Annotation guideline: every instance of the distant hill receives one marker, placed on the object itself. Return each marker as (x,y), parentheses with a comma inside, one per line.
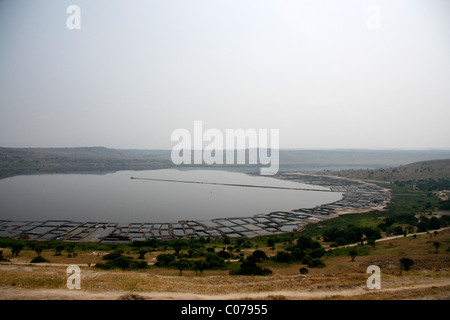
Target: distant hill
(18,161)
(75,153)
(342,159)
(423,170)
(14,161)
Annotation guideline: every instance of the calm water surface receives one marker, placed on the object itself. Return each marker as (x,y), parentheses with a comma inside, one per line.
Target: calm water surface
(114,197)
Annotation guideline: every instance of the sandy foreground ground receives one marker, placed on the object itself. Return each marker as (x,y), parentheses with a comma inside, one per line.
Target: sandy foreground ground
(341,279)
(65,294)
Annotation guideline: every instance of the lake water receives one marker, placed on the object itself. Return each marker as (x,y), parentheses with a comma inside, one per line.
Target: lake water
(114,197)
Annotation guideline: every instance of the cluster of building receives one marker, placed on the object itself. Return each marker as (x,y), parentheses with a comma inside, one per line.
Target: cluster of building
(356,196)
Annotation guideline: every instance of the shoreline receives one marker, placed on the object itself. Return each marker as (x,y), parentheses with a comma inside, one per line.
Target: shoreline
(357,197)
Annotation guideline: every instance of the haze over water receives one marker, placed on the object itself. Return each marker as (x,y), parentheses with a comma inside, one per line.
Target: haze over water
(114,197)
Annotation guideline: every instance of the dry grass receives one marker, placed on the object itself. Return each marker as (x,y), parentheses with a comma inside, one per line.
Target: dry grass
(340,279)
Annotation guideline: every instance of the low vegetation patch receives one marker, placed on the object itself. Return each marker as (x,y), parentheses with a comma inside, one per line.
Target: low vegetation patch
(118,261)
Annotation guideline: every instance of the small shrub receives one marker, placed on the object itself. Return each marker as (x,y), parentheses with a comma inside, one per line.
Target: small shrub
(250,268)
(164,260)
(316,263)
(259,255)
(306,259)
(112,255)
(38,249)
(1,256)
(142,253)
(406,263)
(16,248)
(214,262)
(284,257)
(303,270)
(224,254)
(123,263)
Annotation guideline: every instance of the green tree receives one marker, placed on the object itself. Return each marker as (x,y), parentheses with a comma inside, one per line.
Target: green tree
(316,263)
(200,265)
(259,255)
(423,225)
(214,261)
(71,250)
(177,245)
(317,252)
(224,254)
(434,223)
(142,253)
(298,254)
(249,267)
(164,259)
(306,259)
(38,249)
(271,242)
(58,249)
(182,264)
(284,257)
(16,248)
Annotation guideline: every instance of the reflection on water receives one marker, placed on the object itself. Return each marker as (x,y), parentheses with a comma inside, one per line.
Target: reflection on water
(114,197)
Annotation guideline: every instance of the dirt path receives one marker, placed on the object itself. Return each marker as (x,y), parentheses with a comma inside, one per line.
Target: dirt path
(388,238)
(65,294)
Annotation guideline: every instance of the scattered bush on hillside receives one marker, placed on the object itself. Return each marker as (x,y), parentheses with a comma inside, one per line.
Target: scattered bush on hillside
(164,260)
(406,263)
(122,263)
(351,234)
(316,263)
(259,255)
(283,257)
(112,255)
(250,268)
(303,270)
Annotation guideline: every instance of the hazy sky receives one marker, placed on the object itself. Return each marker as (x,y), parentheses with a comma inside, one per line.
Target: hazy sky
(328,74)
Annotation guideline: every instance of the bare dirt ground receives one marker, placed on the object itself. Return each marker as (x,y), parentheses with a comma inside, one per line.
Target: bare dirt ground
(356,293)
(22,282)
(342,278)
